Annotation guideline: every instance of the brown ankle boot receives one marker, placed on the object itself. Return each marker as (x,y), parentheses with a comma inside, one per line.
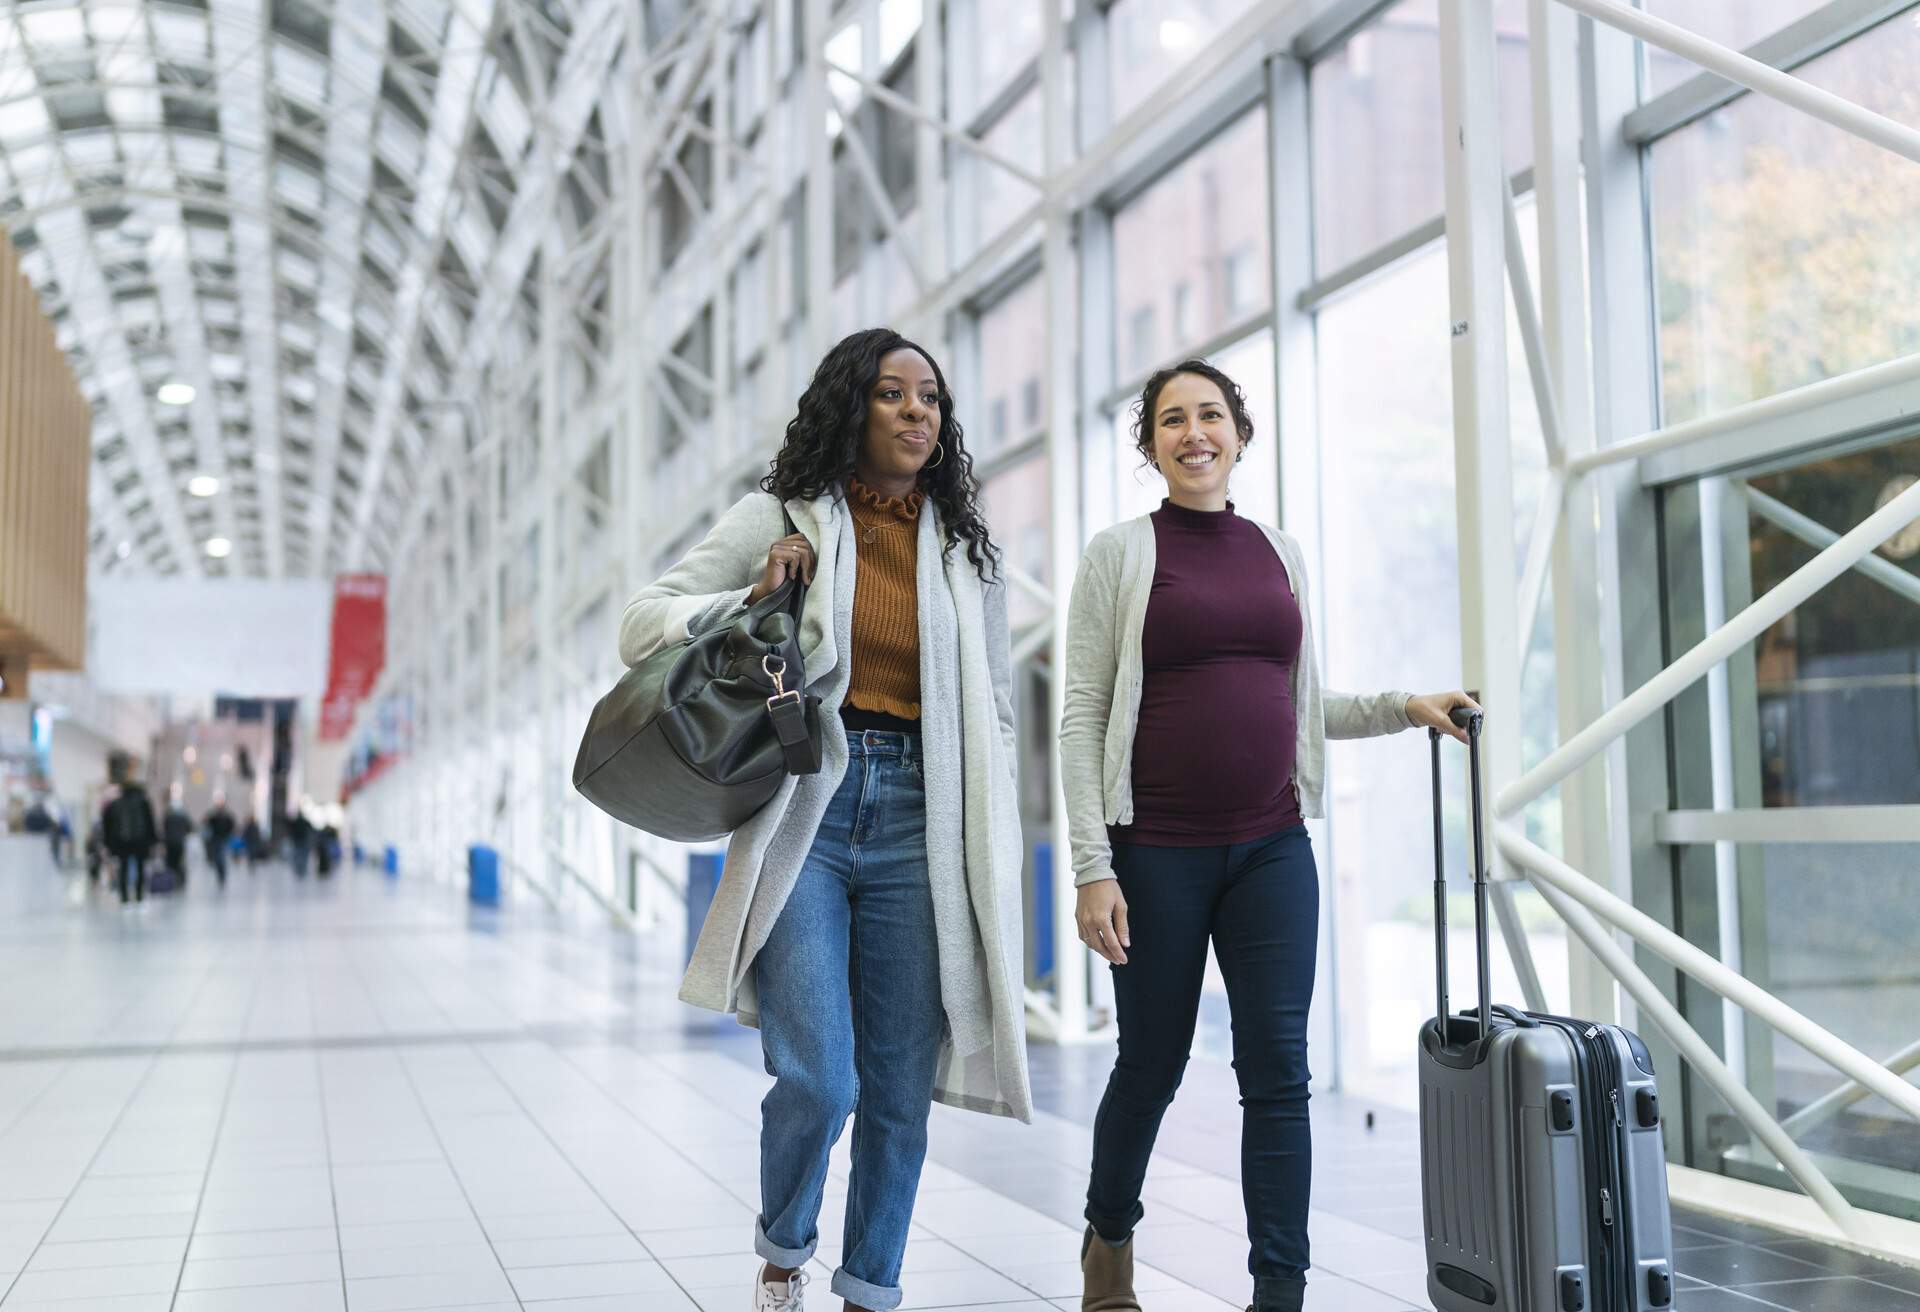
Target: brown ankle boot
(1107,1275)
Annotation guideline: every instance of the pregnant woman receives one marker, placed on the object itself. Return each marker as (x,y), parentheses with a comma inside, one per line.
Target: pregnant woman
(1192,752)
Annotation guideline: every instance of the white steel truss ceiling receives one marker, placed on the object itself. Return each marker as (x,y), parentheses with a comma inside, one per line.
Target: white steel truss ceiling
(293,207)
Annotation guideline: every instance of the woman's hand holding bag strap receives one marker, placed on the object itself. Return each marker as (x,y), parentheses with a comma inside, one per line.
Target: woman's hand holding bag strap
(701,734)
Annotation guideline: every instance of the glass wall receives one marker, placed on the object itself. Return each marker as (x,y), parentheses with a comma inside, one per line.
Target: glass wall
(1786,249)
(1376,127)
(1838,679)
(1735,23)
(1191,253)
(1824,711)
(1149,40)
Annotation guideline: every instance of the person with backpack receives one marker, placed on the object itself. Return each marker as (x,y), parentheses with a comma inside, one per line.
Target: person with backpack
(96,850)
(218,828)
(300,841)
(176,829)
(43,818)
(254,843)
(131,833)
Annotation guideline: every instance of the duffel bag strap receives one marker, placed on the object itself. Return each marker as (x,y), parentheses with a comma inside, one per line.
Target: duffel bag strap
(788,710)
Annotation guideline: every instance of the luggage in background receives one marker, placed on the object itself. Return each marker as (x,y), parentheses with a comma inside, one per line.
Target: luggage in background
(1541,1162)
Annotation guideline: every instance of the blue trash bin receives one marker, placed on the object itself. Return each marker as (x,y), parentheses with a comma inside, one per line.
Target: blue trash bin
(391,862)
(483,875)
(1042,911)
(703,881)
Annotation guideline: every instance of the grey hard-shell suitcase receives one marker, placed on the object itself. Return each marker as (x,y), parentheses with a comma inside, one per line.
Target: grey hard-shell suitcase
(1541,1163)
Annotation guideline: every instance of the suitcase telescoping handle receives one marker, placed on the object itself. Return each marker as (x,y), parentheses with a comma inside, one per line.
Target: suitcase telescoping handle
(1470,720)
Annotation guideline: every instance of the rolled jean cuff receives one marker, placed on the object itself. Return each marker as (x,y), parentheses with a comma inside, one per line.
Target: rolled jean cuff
(881,1298)
(790,1258)
(1115,1232)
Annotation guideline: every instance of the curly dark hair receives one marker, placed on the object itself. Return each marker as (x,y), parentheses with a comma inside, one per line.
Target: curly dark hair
(823,440)
(1150,398)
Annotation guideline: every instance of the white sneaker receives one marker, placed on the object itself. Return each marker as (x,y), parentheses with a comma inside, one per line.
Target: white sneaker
(787,1296)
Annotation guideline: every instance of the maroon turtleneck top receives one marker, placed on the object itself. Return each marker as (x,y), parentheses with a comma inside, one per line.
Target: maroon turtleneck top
(1213,752)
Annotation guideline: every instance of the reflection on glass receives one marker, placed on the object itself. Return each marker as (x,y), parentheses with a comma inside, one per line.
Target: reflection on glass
(1376,127)
(1388,584)
(1839,926)
(1012,353)
(1192,250)
(1838,679)
(1786,250)
(1733,23)
(999,197)
(1015,504)
(1003,39)
(1151,39)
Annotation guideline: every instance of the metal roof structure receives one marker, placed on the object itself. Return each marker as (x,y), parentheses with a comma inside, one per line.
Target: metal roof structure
(296,209)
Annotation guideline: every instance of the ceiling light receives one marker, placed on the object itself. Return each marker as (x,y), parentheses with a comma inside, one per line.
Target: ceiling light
(124,550)
(203,485)
(189,755)
(219,548)
(176,394)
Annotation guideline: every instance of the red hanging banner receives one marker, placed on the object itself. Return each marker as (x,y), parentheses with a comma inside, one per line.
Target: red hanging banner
(359,649)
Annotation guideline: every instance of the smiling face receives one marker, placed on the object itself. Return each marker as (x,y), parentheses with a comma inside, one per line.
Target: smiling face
(1195,443)
(903,423)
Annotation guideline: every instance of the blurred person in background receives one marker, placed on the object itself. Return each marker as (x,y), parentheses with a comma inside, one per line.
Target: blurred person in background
(128,828)
(218,829)
(299,840)
(175,830)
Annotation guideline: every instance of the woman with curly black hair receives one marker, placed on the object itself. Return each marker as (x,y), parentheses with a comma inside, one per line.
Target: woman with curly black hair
(869,917)
(1191,751)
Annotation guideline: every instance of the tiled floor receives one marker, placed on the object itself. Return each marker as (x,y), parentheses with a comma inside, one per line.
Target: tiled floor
(359,1096)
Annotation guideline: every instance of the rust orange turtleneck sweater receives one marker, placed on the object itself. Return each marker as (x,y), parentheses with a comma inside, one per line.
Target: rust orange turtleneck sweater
(886,616)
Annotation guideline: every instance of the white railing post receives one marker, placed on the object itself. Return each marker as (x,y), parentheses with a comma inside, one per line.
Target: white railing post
(1756,1001)
(1070,958)
(1706,1062)
(1476,191)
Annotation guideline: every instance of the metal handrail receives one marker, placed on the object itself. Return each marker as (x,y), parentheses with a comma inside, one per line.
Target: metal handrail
(1820,537)
(1829,1105)
(620,914)
(539,885)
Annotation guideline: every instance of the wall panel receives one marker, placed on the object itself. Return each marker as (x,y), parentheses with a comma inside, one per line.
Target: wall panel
(45,445)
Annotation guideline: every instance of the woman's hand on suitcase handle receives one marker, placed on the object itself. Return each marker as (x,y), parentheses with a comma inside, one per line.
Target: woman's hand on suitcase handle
(1101,915)
(1434,710)
(789,556)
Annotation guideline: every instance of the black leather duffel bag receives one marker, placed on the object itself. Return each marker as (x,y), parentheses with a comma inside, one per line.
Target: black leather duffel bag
(700,735)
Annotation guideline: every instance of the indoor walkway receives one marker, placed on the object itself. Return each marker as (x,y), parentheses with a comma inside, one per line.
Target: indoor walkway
(306,1096)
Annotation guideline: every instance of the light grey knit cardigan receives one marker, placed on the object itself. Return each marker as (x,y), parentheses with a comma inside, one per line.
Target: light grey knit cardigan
(1105,673)
(974,845)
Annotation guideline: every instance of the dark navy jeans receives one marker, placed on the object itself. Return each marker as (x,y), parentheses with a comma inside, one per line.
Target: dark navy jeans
(851,1023)
(1259,903)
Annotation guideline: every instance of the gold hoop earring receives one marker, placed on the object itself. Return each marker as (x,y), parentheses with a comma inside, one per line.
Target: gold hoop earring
(940,454)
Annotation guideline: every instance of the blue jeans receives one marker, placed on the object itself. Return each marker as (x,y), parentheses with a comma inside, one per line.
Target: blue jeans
(1259,902)
(851,1024)
(133,873)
